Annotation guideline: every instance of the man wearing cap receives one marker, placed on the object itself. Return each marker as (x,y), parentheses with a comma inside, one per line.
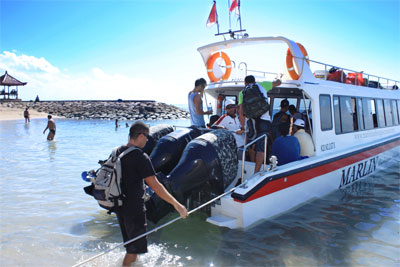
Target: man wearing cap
(230,121)
(305,140)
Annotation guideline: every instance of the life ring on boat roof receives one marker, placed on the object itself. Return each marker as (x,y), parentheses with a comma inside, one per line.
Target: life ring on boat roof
(289,62)
(210,66)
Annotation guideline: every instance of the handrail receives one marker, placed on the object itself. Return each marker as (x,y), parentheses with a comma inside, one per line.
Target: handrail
(244,153)
(308,119)
(265,72)
(245,71)
(358,72)
(154,229)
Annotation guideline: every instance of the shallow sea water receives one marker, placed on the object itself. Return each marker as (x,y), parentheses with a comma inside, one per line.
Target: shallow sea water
(47,220)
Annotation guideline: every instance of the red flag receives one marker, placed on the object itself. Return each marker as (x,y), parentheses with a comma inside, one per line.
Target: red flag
(235,7)
(212,18)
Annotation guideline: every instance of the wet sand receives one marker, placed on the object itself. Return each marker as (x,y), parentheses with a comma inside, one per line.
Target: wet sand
(7,113)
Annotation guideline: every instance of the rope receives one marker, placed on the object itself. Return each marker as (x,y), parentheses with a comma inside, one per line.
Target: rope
(154,230)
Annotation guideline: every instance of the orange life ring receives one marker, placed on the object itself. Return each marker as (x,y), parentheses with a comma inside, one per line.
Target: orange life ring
(210,66)
(289,62)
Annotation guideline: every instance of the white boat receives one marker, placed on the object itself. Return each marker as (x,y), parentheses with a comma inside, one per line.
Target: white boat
(355,129)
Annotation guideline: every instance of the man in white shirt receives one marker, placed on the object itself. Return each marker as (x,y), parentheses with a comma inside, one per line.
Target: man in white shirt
(230,121)
(305,140)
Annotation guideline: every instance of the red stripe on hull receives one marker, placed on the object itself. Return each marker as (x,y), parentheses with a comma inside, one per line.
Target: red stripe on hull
(303,176)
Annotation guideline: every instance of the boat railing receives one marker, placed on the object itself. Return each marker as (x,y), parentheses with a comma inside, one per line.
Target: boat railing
(376,81)
(244,153)
(368,80)
(243,67)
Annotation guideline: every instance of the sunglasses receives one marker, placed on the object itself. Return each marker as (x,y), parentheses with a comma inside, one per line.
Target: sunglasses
(230,106)
(146,134)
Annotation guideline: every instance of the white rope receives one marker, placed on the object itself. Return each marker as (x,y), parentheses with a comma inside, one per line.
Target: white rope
(153,230)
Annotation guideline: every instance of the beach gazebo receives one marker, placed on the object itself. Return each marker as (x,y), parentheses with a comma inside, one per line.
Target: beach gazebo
(8,81)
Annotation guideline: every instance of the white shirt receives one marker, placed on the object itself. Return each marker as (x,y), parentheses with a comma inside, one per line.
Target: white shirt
(232,124)
(306,143)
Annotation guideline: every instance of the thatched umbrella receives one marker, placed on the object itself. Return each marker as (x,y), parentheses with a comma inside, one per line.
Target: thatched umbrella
(8,80)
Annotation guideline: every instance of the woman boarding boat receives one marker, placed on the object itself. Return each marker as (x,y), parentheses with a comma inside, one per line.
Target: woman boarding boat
(354,128)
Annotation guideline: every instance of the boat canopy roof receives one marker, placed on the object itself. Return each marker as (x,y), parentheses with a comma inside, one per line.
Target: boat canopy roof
(299,59)
(301,64)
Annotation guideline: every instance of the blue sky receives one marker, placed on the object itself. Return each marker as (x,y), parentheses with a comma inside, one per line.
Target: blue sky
(148,49)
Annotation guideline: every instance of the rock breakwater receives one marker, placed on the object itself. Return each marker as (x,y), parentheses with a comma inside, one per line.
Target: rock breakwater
(106,110)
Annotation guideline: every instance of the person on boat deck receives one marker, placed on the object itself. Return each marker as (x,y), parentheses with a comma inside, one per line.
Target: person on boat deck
(305,140)
(51,125)
(196,104)
(294,113)
(137,169)
(280,118)
(230,121)
(213,119)
(286,147)
(263,123)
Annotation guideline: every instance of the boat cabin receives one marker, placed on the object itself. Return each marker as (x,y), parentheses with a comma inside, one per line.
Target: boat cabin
(339,112)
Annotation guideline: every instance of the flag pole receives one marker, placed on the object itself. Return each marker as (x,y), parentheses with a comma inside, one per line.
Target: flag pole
(216,16)
(229,5)
(240,16)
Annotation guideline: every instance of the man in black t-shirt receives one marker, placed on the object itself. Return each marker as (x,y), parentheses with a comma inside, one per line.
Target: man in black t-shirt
(137,169)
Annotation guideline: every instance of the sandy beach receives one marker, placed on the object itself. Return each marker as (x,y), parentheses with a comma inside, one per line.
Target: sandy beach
(7,113)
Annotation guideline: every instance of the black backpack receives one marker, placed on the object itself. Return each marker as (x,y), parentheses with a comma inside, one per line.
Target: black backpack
(254,102)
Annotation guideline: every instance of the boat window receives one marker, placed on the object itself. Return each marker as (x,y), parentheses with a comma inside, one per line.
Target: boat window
(302,108)
(368,112)
(360,114)
(388,112)
(398,109)
(395,113)
(277,104)
(374,116)
(326,112)
(380,113)
(336,113)
(348,114)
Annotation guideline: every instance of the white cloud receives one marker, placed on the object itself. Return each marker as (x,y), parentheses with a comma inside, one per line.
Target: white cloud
(27,63)
(50,83)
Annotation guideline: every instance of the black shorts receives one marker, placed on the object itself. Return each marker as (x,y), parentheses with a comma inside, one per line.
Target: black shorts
(263,127)
(131,227)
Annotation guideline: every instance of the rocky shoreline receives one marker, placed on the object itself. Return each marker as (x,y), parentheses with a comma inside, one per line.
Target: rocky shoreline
(105,110)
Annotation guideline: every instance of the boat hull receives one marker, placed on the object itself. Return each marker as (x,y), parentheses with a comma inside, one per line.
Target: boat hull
(267,195)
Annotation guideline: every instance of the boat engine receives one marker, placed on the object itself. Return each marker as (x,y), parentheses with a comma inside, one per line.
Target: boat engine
(168,150)
(208,165)
(156,132)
